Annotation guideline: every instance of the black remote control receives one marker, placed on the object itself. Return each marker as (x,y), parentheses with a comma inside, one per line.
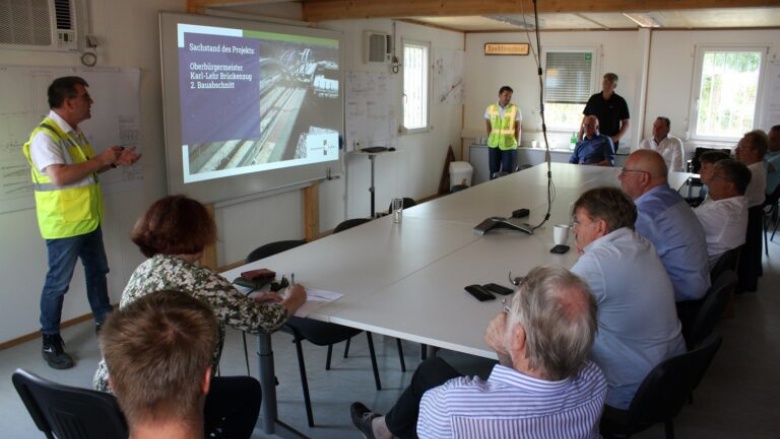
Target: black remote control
(520,213)
(499,289)
(480,293)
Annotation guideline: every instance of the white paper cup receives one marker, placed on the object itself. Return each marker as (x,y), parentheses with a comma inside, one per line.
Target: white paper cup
(561,234)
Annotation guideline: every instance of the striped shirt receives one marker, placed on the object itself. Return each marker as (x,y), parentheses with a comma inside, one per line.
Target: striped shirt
(513,405)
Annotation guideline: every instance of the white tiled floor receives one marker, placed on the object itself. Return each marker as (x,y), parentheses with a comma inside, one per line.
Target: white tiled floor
(737,398)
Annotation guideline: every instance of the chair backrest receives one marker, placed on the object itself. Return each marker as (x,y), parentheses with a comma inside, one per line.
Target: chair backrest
(667,387)
(68,412)
(695,164)
(408,202)
(726,261)
(712,308)
(771,199)
(350,223)
(273,248)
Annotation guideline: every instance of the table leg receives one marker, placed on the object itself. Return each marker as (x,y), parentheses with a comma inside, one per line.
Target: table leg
(371,188)
(270,421)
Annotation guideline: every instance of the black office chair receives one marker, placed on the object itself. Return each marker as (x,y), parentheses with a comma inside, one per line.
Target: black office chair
(694,165)
(771,216)
(711,309)
(316,332)
(261,252)
(662,393)
(65,412)
(726,261)
(408,202)
(350,223)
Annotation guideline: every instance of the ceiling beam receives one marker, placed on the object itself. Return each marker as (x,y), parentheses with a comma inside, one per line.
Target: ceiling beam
(199,6)
(323,10)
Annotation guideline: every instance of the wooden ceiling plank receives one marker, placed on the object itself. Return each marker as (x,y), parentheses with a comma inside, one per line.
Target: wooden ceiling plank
(322,10)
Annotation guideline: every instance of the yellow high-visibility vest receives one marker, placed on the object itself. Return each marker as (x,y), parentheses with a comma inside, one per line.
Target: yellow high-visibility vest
(502,133)
(64,212)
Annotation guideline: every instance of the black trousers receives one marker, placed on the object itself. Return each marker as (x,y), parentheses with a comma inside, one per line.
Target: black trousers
(232,407)
(750,267)
(401,420)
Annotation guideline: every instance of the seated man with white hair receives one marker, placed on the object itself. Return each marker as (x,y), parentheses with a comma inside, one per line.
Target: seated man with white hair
(544,385)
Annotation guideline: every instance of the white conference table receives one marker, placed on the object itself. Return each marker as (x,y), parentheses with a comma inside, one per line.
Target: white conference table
(406,280)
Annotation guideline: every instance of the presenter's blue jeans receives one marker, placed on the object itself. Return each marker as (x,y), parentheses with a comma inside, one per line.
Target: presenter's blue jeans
(502,161)
(63,254)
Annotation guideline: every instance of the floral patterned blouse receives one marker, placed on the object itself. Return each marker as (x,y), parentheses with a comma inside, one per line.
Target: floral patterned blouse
(167,272)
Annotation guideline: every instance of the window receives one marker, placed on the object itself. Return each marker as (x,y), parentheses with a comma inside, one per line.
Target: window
(568,81)
(724,106)
(416,86)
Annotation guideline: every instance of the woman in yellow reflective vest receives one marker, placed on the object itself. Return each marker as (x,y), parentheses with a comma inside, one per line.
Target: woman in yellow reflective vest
(502,121)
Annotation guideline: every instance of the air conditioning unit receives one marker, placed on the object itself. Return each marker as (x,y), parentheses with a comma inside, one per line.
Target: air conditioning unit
(39,25)
(377,47)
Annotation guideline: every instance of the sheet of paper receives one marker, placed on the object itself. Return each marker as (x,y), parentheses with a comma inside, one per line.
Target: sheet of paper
(315,298)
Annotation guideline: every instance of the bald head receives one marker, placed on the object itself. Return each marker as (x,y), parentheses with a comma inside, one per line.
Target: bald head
(590,125)
(644,170)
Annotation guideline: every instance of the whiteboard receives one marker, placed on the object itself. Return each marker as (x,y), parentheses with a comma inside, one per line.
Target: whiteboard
(116,120)
(370,117)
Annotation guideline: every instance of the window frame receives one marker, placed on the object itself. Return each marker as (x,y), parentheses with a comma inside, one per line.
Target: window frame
(595,81)
(693,113)
(427,83)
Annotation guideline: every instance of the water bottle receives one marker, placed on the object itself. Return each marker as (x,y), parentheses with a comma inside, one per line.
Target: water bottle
(573,141)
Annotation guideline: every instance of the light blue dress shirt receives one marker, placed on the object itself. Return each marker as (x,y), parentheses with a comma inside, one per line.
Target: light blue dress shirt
(670,224)
(637,319)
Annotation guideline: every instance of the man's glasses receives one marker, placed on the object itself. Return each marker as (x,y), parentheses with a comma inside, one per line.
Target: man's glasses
(516,281)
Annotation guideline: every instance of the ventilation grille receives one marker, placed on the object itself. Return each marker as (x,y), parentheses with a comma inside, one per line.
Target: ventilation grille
(377,47)
(38,24)
(64,14)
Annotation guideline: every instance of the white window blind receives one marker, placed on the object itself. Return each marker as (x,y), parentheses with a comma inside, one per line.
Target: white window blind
(568,77)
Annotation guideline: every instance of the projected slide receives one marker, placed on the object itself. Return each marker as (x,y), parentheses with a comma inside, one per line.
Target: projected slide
(253,101)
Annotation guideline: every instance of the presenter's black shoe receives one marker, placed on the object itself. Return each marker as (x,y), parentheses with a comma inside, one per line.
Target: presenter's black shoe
(54,354)
(362,418)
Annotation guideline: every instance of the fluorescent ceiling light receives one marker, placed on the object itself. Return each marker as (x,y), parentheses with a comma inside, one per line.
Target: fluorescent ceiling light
(643,20)
(517,20)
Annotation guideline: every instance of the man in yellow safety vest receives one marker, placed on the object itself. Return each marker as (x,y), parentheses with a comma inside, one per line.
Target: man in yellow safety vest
(502,121)
(69,206)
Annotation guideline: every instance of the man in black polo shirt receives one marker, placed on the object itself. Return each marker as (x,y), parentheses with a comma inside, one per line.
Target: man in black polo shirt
(610,108)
